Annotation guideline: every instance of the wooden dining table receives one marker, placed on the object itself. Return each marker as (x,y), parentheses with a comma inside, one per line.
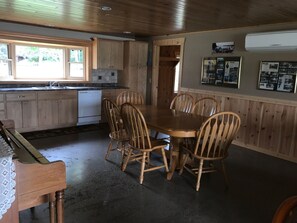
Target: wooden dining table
(178,125)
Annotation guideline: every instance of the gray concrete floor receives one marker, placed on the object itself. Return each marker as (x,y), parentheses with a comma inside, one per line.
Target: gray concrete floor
(98,191)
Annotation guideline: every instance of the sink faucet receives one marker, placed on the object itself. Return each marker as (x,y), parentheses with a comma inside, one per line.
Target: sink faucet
(54,83)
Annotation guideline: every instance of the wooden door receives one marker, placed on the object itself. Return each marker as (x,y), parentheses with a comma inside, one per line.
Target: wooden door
(169,58)
(176,43)
(166,83)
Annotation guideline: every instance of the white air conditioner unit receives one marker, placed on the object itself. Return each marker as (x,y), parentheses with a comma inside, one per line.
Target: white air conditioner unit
(271,41)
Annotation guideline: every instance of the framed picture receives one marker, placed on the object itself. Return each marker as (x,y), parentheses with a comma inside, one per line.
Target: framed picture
(278,76)
(223,47)
(221,71)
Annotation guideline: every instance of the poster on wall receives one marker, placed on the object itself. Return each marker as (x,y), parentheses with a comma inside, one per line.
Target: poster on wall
(278,76)
(221,71)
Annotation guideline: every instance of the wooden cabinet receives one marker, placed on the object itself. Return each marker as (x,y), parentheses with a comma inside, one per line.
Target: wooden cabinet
(22,108)
(134,75)
(2,107)
(108,54)
(57,108)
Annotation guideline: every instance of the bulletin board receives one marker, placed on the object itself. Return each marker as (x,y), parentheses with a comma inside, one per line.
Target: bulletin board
(221,71)
(278,76)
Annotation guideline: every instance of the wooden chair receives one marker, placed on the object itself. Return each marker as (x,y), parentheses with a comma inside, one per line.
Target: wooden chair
(132,97)
(117,133)
(287,211)
(182,102)
(206,107)
(212,142)
(140,144)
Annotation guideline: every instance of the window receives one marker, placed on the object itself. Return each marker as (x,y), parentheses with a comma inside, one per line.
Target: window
(76,63)
(38,62)
(5,65)
(29,60)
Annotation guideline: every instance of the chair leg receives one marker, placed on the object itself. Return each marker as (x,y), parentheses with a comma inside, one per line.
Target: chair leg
(165,160)
(225,173)
(199,175)
(142,167)
(126,160)
(183,164)
(108,150)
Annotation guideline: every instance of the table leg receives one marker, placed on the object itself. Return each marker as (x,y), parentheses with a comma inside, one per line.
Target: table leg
(174,156)
(60,206)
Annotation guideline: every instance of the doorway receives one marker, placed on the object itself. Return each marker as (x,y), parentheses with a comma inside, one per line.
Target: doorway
(167,70)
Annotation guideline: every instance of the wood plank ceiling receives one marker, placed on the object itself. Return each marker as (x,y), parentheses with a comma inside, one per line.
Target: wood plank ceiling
(147,17)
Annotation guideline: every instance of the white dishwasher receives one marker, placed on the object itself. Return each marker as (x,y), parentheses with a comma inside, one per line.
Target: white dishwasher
(89,106)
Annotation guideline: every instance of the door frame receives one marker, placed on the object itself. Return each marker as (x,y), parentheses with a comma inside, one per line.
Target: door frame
(156,54)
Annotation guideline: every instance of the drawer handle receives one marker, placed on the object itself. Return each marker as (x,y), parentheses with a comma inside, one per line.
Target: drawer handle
(21,96)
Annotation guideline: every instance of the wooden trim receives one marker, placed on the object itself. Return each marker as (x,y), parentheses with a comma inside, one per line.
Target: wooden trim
(241,96)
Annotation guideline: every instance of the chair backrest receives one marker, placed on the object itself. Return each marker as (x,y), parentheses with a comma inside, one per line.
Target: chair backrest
(135,126)
(112,113)
(206,107)
(132,97)
(216,134)
(182,102)
(287,211)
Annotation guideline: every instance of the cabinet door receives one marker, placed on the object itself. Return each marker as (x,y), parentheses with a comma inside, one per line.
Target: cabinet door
(108,54)
(103,54)
(48,113)
(14,112)
(67,111)
(29,114)
(24,113)
(117,55)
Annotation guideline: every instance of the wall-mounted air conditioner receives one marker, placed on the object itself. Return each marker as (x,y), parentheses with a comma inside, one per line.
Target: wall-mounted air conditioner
(271,41)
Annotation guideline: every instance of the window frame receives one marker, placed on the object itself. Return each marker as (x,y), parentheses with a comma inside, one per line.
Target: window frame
(66,44)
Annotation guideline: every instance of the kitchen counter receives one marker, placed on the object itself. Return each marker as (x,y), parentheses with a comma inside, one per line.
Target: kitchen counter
(56,88)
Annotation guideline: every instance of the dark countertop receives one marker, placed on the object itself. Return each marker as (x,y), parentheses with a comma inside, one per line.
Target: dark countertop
(32,87)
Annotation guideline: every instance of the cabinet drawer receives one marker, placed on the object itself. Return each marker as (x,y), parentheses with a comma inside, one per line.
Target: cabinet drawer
(1,97)
(1,106)
(21,96)
(56,95)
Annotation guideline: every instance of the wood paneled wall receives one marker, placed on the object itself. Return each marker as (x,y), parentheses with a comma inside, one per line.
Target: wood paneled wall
(268,126)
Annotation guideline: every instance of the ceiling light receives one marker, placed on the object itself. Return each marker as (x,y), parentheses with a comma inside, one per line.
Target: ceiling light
(127,32)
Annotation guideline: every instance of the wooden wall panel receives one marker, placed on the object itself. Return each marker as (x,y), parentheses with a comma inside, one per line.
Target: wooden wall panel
(287,130)
(240,107)
(268,126)
(253,123)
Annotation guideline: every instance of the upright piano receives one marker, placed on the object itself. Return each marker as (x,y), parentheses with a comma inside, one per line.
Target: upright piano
(37,180)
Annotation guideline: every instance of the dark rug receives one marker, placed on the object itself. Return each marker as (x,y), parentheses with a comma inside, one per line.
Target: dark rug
(63,131)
